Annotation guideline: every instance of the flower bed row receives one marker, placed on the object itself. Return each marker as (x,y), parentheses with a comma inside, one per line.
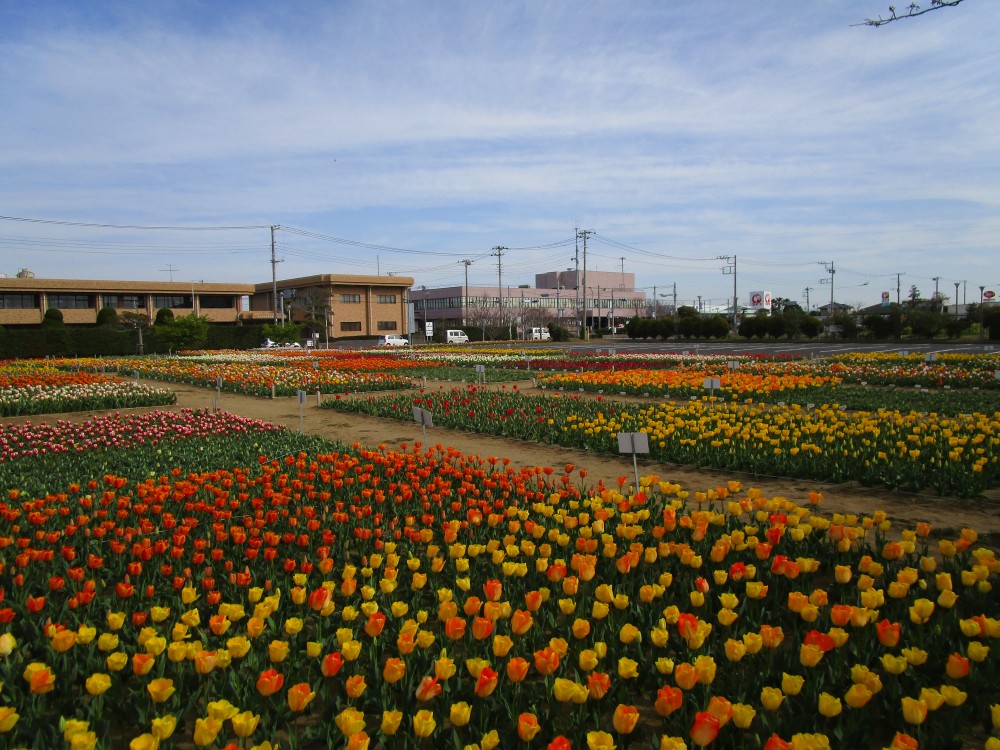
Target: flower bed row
(686,383)
(250,378)
(37,388)
(956,455)
(396,599)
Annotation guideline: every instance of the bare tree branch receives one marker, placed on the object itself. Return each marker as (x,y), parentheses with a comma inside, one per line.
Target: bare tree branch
(912,11)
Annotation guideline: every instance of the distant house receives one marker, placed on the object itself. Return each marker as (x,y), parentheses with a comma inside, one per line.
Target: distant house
(825,311)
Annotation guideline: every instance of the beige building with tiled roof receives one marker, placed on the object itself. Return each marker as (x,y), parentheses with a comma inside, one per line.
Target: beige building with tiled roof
(350,305)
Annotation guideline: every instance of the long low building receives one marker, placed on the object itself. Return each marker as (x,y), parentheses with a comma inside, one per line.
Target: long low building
(347,305)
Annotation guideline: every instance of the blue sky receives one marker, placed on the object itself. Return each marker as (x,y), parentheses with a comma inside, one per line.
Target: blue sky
(428,133)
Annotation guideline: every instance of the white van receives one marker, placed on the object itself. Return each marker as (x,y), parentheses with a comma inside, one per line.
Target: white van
(453,336)
(539,334)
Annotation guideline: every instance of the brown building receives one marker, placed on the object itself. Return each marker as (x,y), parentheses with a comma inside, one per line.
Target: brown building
(350,305)
(346,305)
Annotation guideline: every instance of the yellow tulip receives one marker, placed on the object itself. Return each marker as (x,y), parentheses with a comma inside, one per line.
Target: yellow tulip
(245,723)
(829,705)
(424,723)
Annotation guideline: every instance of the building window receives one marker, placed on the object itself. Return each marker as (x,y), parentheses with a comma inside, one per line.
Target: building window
(124,301)
(350,298)
(386,299)
(70,301)
(216,301)
(387,325)
(18,301)
(171,300)
(349,325)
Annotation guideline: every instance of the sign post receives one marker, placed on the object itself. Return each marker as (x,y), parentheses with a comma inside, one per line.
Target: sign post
(424,419)
(302,402)
(633,442)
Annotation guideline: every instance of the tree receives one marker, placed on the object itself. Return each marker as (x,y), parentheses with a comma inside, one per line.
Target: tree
(846,324)
(925,324)
(164,316)
(912,11)
(688,327)
(107,316)
(53,318)
(811,326)
(283,333)
(185,332)
(716,327)
(138,322)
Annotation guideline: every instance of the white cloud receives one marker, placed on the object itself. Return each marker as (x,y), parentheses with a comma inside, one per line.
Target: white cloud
(709,128)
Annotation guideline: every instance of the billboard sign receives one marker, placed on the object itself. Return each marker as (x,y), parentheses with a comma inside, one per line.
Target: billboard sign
(885,299)
(760,300)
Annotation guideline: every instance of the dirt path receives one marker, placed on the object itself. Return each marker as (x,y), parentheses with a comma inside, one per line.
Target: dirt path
(947,515)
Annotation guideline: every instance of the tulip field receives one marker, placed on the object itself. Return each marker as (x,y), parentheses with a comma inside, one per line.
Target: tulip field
(42,389)
(179,579)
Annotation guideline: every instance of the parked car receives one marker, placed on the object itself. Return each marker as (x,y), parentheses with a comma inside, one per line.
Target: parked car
(539,334)
(392,339)
(456,336)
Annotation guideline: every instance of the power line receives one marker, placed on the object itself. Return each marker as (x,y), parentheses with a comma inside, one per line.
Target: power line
(129,226)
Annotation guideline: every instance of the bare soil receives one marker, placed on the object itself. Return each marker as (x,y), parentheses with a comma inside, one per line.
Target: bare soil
(947,515)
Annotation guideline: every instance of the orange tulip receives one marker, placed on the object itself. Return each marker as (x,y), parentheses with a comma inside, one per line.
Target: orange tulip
(428,688)
(598,684)
(355,685)
(394,670)
(40,678)
(493,589)
(721,709)
(957,666)
(486,682)
(527,727)
(705,728)
(142,663)
(269,682)
(625,719)
(300,696)
(521,622)
(482,628)
(375,623)
(331,664)
(888,633)
(454,628)
(517,669)
(546,661)
(668,700)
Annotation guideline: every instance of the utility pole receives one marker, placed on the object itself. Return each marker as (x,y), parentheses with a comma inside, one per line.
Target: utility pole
(830,270)
(897,288)
(274,276)
(956,298)
(465,291)
(622,259)
(936,279)
(498,251)
(674,312)
(808,307)
(585,233)
(730,267)
(656,305)
(170,269)
(576,261)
